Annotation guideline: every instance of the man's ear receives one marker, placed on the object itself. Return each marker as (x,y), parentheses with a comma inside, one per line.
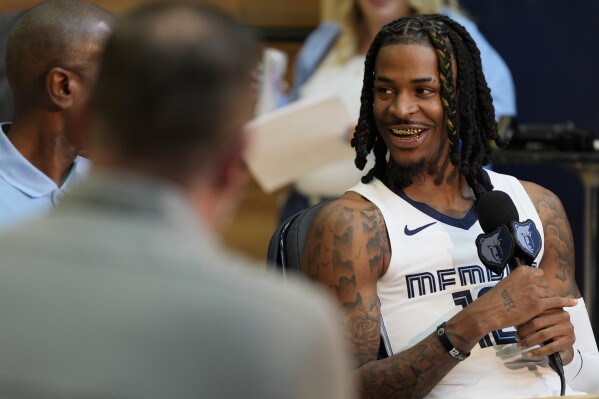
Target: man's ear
(228,183)
(60,85)
(231,169)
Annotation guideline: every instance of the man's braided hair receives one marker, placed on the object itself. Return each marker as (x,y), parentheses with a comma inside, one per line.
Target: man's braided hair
(468,106)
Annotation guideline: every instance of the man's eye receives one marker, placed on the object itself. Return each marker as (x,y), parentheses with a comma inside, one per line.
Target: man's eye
(424,90)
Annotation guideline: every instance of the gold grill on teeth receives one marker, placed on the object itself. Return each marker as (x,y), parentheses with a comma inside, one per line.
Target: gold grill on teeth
(407,132)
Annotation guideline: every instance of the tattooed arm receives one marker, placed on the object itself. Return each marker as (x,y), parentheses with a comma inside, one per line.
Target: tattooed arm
(558,257)
(558,264)
(348,250)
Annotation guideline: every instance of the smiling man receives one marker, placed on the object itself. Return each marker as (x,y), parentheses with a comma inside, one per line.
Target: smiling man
(398,250)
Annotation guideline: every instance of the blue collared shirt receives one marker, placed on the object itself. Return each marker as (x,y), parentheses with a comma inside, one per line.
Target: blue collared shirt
(26,192)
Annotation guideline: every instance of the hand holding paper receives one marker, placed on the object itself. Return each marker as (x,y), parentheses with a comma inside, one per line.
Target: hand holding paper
(291,141)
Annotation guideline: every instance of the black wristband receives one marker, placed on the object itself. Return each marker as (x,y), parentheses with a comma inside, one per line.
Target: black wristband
(453,351)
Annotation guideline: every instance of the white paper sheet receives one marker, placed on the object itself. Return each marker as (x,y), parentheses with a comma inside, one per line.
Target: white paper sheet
(291,141)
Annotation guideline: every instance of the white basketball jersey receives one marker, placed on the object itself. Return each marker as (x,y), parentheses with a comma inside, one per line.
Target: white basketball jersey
(434,272)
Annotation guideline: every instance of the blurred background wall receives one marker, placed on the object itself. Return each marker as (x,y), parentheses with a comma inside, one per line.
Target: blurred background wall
(549,47)
(259,12)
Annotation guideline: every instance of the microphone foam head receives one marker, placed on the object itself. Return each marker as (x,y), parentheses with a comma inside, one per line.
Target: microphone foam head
(496,208)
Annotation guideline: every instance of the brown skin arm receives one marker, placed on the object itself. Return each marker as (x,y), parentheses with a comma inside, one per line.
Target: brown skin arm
(347,235)
(558,257)
(558,264)
(348,250)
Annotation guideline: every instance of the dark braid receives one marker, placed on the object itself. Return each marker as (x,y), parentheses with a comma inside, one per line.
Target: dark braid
(469,112)
(448,97)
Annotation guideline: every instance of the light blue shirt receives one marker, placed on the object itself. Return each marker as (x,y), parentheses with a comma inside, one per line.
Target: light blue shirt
(497,74)
(26,192)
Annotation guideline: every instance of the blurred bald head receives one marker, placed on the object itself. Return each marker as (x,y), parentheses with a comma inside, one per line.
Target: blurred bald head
(174,89)
(64,34)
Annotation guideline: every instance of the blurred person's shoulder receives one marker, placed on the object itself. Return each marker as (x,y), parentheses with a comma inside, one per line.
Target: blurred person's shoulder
(275,338)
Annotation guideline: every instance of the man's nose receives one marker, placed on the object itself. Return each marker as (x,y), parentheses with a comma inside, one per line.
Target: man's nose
(404,105)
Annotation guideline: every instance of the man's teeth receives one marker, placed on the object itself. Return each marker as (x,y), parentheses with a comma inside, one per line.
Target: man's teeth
(407,132)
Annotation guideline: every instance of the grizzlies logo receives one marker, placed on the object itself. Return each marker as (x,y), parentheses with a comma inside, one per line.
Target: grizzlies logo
(495,249)
(527,238)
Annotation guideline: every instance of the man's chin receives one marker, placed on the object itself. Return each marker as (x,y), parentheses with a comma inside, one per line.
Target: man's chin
(403,174)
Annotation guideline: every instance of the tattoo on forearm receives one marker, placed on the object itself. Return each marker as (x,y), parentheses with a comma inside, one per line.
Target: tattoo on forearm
(397,373)
(507,300)
(415,374)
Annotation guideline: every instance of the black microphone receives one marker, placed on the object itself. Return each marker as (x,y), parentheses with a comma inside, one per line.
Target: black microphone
(506,241)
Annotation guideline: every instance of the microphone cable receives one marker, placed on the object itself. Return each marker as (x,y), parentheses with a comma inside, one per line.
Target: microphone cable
(556,363)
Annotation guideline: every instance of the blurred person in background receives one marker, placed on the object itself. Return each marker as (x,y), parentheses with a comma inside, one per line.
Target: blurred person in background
(332,61)
(51,64)
(124,291)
